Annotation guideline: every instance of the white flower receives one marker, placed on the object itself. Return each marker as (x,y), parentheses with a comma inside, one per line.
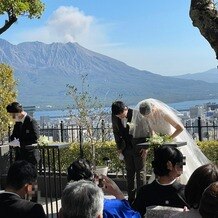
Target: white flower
(158,139)
(43,140)
(131,126)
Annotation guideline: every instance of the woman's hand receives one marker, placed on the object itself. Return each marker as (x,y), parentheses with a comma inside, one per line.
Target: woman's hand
(110,187)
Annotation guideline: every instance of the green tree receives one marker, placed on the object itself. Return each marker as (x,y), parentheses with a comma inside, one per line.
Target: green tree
(89,111)
(7,95)
(15,8)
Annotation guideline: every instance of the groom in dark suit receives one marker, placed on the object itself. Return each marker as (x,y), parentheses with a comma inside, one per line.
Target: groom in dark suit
(21,179)
(134,156)
(25,133)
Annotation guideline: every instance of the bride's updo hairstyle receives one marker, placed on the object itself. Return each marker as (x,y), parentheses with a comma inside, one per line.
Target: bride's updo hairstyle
(162,155)
(145,108)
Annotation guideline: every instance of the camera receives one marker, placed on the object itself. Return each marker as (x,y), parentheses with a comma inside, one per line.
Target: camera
(99,181)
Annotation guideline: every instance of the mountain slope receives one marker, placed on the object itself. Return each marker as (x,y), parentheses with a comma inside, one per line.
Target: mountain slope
(210,76)
(43,70)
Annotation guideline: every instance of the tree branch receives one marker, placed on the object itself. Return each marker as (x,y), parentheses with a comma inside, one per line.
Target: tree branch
(11,19)
(204,15)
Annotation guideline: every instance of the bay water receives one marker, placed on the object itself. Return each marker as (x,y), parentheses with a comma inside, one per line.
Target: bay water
(180,106)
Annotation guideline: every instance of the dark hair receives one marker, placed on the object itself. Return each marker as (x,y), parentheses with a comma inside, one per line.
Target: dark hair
(14,107)
(21,173)
(200,179)
(209,202)
(145,108)
(118,107)
(80,169)
(162,155)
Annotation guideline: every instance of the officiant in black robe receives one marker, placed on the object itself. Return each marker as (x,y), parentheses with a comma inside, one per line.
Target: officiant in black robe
(25,134)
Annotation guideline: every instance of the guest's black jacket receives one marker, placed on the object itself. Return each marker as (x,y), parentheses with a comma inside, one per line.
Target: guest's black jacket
(27,132)
(155,194)
(12,206)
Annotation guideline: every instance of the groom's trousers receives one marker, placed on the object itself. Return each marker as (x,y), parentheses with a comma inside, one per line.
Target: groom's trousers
(135,169)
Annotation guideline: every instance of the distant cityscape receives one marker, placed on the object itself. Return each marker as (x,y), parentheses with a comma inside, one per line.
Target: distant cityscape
(207,112)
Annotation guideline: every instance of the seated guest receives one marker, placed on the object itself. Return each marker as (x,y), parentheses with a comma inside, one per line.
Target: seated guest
(119,207)
(165,190)
(200,179)
(20,182)
(209,202)
(82,199)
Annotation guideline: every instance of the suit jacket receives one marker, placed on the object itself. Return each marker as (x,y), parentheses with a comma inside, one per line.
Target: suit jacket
(121,134)
(27,132)
(13,206)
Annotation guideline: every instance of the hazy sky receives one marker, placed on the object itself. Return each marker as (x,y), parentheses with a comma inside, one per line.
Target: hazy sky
(153,35)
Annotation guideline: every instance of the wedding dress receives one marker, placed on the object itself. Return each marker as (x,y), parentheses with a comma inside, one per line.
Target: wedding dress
(156,122)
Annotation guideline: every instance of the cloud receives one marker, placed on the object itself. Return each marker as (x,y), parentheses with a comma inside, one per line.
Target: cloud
(69,24)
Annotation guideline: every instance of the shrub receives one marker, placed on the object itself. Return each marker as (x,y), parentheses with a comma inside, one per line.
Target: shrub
(102,149)
(108,149)
(210,149)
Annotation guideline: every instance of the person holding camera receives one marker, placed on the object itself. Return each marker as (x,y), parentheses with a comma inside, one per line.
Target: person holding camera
(119,207)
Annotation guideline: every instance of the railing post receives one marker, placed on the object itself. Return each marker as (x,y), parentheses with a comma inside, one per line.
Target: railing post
(81,141)
(9,132)
(214,131)
(62,131)
(199,129)
(207,134)
(10,148)
(102,130)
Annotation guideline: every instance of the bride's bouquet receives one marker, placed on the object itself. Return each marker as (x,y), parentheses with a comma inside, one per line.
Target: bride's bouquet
(158,139)
(43,141)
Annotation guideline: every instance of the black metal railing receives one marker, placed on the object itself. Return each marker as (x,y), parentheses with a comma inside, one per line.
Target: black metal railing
(51,179)
(203,130)
(73,133)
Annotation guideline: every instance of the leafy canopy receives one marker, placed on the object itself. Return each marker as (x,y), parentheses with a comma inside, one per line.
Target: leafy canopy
(7,95)
(15,8)
(31,8)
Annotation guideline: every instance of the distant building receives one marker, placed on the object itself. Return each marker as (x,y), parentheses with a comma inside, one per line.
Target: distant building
(215,114)
(196,111)
(44,120)
(211,106)
(209,112)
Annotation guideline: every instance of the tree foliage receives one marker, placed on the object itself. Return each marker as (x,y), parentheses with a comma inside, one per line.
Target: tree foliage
(204,15)
(7,95)
(89,110)
(15,8)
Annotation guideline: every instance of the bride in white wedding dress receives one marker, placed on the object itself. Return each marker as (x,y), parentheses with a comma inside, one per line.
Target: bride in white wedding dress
(162,119)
